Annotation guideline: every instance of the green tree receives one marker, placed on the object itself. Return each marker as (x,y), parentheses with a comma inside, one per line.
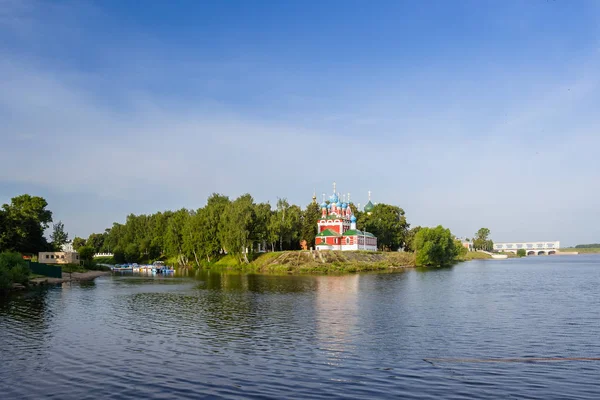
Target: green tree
(482,241)
(58,236)
(132,253)
(86,254)
(13,269)
(388,223)
(96,240)
(460,250)
(409,244)
(78,243)
(118,255)
(237,223)
(214,209)
(174,236)
(435,246)
(286,222)
(310,217)
(263,213)
(24,221)
(521,253)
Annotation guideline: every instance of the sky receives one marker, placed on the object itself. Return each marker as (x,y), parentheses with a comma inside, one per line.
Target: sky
(468,114)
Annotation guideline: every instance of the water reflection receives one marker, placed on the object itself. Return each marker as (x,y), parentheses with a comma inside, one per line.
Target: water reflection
(220,334)
(336,312)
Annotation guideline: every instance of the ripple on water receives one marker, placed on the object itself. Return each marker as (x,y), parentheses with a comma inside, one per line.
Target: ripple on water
(356,336)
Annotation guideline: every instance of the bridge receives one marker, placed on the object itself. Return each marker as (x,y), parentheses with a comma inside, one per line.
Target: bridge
(531,248)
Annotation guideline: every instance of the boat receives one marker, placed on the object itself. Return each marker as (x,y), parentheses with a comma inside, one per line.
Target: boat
(122,267)
(160,268)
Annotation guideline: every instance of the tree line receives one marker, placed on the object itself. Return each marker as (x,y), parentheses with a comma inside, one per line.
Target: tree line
(239,227)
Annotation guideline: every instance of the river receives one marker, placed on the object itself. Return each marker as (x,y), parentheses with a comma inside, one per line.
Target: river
(420,334)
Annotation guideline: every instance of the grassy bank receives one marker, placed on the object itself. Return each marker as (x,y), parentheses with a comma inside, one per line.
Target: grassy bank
(104,260)
(591,250)
(475,255)
(292,262)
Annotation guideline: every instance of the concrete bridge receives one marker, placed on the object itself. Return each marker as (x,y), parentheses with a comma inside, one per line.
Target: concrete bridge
(531,248)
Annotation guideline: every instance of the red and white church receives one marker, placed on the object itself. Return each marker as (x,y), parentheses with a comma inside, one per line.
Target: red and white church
(337,227)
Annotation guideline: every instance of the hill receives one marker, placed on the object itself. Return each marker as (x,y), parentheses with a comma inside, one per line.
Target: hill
(328,261)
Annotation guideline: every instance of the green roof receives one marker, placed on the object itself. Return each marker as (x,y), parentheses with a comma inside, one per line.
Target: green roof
(328,232)
(369,206)
(353,232)
(332,217)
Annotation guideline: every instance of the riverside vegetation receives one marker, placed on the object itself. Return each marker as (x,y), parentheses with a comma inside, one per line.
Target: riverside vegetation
(229,233)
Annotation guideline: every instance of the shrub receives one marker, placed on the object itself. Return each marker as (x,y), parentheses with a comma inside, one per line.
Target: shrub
(13,269)
(521,253)
(435,247)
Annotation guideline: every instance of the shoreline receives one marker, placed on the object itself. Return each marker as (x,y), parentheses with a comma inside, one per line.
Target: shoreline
(315,262)
(66,277)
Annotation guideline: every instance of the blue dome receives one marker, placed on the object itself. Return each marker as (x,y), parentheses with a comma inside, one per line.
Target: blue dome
(344,205)
(334,198)
(353,219)
(328,205)
(338,205)
(323,205)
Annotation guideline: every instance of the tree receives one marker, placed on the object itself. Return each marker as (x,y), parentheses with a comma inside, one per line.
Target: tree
(460,251)
(388,223)
(13,269)
(59,236)
(78,243)
(435,246)
(521,253)
(481,241)
(174,236)
(286,223)
(96,240)
(215,206)
(237,223)
(24,221)
(86,254)
(310,217)
(409,244)
(263,213)
(132,253)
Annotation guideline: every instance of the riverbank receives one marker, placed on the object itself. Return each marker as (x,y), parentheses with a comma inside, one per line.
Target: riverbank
(585,250)
(66,277)
(299,262)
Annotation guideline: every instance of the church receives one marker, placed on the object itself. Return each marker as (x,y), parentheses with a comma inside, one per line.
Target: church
(337,226)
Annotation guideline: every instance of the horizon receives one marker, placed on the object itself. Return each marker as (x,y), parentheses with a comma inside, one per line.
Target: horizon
(466,114)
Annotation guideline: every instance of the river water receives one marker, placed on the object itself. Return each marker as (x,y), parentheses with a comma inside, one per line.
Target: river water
(415,334)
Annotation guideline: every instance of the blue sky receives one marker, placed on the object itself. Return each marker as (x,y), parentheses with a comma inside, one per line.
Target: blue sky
(465,113)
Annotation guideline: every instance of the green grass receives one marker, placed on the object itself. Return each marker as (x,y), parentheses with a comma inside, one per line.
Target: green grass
(72,268)
(305,262)
(591,250)
(475,255)
(104,260)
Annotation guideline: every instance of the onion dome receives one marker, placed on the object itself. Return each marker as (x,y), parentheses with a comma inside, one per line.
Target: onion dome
(334,198)
(323,205)
(353,219)
(344,205)
(369,207)
(338,205)
(329,206)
